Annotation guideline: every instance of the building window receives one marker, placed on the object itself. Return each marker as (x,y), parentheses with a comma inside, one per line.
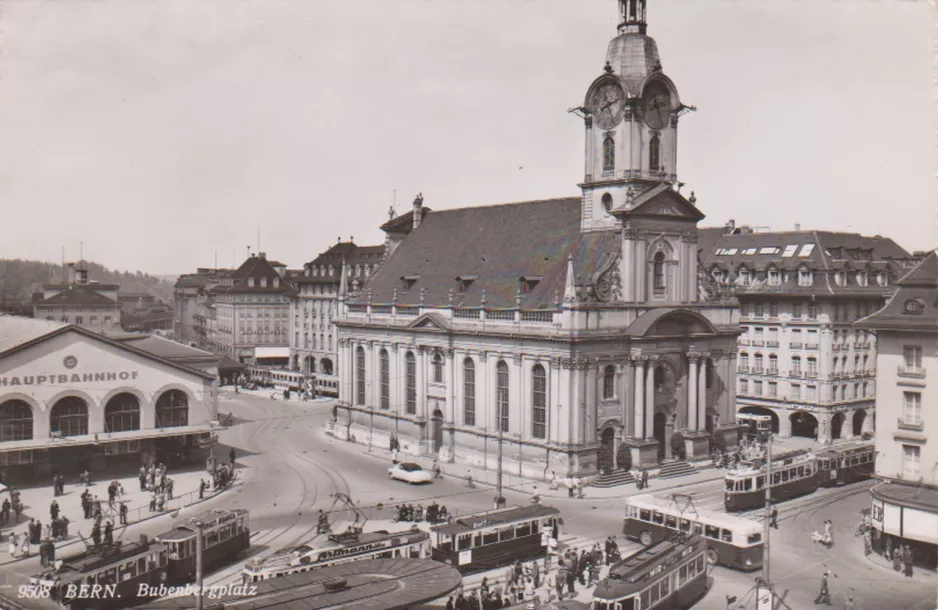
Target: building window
(609,382)
(812,338)
(744,362)
(469,392)
(411,383)
(760,309)
(912,408)
(804,277)
(385,363)
(607,202)
(122,413)
(812,393)
(539,402)
(437,367)
(79,320)
(501,396)
(911,462)
(773,389)
(16,421)
(812,311)
(744,309)
(912,354)
(773,364)
(743,277)
(757,388)
(172,409)
(757,367)
(744,387)
(654,154)
(796,391)
(796,311)
(773,309)
(812,367)
(774,277)
(609,155)
(658,280)
(69,417)
(360,375)
(796,365)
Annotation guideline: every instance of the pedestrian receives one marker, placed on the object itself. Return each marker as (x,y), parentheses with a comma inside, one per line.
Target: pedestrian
(63,530)
(850,604)
(569,482)
(14,544)
(54,509)
(24,550)
(897,560)
(169,488)
(202,486)
(579,488)
(773,517)
(108,533)
(111,493)
(561,579)
(96,535)
(824,596)
(232,456)
(867,542)
(644,479)
(5,511)
(123,513)
(907,560)
(50,552)
(153,502)
(552,481)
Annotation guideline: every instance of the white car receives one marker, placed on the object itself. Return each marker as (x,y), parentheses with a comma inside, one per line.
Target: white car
(409,473)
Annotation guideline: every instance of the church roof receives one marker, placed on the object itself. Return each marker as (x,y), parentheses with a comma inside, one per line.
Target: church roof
(492,248)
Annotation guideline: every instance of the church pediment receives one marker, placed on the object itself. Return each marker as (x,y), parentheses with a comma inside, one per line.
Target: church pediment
(662,201)
(430,321)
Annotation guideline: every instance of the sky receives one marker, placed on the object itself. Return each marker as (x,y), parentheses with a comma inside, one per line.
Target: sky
(163,135)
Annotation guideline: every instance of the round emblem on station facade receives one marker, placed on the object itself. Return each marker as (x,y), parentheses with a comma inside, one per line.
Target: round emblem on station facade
(70,362)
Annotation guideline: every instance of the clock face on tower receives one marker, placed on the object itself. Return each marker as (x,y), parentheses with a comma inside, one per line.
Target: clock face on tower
(656,105)
(607,105)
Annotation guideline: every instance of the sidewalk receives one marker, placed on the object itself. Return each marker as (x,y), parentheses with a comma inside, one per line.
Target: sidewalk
(36,502)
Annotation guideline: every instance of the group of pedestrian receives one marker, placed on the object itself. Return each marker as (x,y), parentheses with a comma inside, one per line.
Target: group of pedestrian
(583,568)
(114,491)
(434,513)
(151,479)
(901,555)
(575,487)
(14,504)
(59,522)
(96,536)
(641,478)
(58,484)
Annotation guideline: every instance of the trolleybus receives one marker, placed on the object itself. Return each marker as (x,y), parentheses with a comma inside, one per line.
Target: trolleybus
(793,474)
(846,462)
(483,541)
(413,544)
(670,574)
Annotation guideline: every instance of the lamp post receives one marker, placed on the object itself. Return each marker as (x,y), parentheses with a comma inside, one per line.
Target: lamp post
(198,565)
(499,499)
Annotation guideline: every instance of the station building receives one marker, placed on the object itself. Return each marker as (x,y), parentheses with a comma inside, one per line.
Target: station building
(72,399)
(905,502)
(568,332)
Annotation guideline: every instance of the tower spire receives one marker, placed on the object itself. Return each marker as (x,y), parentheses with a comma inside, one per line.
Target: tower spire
(632,16)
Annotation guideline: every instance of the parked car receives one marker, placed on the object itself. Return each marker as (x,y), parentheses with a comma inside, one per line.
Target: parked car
(409,473)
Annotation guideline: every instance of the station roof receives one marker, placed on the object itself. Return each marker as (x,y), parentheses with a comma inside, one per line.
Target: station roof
(374,584)
(477,521)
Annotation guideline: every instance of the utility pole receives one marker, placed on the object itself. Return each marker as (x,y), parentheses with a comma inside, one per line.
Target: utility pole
(768,510)
(198,565)
(498,486)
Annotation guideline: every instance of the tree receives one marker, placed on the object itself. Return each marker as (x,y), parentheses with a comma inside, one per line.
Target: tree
(717,442)
(624,457)
(678,448)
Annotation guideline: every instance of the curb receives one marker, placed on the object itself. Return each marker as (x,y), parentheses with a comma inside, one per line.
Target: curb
(69,543)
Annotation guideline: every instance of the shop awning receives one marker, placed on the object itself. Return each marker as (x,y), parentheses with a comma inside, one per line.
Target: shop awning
(272,352)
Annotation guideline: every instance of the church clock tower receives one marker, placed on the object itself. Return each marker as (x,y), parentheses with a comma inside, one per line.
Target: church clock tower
(631,116)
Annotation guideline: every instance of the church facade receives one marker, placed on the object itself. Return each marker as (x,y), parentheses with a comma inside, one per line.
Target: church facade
(566,332)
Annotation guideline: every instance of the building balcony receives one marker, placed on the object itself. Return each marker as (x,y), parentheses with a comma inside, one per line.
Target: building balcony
(811,375)
(911,372)
(911,425)
(771,343)
(796,345)
(758,343)
(811,346)
(742,370)
(743,341)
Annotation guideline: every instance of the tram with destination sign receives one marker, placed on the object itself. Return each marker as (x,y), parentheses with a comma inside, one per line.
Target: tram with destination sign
(794,474)
(119,568)
(412,544)
(488,540)
(846,463)
(732,541)
(670,574)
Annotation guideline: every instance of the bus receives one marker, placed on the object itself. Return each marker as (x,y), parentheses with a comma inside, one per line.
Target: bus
(794,473)
(753,423)
(733,542)
(413,544)
(846,463)
(488,540)
(669,574)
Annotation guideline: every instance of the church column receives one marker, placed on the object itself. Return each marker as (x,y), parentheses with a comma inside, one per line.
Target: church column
(372,375)
(345,375)
(591,398)
(730,376)
(422,382)
(627,265)
(622,393)
(650,397)
(692,358)
(449,375)
(554,402)
(483,392)
(701,424)
(577,402)
(519,401)
(638,368)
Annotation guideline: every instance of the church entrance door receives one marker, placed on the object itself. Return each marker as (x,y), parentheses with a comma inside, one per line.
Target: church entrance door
(607,451)
(660,435)
(437,422)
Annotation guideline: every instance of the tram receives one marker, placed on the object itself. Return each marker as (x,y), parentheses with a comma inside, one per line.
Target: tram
(282,380)
(671,574)
(794,473)
(412,544)
(168,560)
(488,540)
(846,463)
(758,425)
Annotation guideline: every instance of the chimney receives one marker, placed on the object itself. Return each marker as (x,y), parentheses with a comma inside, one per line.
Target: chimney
(262,255)
(418,209)
(730,227)
(797,226)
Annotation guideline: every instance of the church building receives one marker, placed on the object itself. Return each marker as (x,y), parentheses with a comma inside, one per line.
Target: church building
(569,335)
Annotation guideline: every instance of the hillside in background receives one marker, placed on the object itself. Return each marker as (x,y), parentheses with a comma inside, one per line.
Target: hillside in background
(19,279)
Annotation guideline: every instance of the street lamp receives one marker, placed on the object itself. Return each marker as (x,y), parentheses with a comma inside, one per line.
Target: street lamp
(198,564)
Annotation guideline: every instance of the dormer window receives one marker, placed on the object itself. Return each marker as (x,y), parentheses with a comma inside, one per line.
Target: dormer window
(914,306)
(882,279)
(774,277)
(861,278)
(263,282)
(839,278)
(276,282)
(527,284)
(717,274)
(743,276)
(805,277)
(250,282)
(408,281)
(331,270)
(463,282)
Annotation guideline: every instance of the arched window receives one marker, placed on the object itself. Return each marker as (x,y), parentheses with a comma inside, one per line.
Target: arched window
(385,379)
(69,417)
(172,409)
(609,155)
(607,202)
(659,274)
(437,367)
(469,392)
(609,382)
(501,396)
(539,402)
(360,375)
(654,154)
(16,421)
(411,383)
(122,413)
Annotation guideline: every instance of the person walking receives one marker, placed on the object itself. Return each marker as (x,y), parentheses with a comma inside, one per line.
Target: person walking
(231,456)
(24,550)
(644,478)
(96,535)
(773,517)
(123,513)
(824,596)
(54,509)
(907,560)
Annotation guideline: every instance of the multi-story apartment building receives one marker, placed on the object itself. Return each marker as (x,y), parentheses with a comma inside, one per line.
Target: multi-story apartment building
(246,314)
(81,302)
(312,336)
(905,504)
(189,294)
(800,359)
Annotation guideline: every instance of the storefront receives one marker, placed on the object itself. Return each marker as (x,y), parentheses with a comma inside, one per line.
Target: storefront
(906,514)
(71,399)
